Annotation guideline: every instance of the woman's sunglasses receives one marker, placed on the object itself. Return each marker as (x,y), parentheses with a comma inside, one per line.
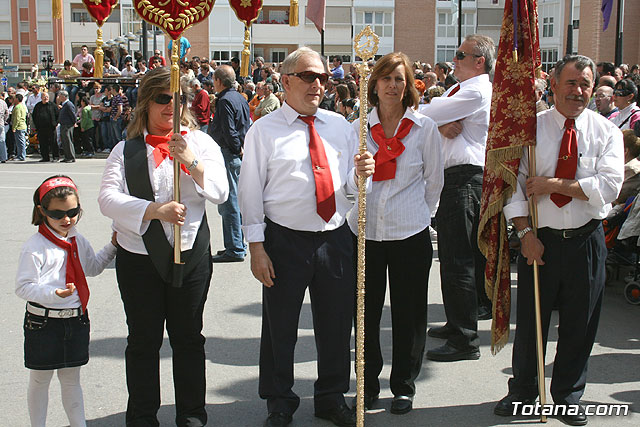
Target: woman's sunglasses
(58,214)
(164,99)
(310,76)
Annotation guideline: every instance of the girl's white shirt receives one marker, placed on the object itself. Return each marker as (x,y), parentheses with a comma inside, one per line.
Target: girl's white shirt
(42,268)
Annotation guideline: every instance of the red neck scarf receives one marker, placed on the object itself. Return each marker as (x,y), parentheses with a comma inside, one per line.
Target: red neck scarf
(74,273)
(388,149)
(160,146)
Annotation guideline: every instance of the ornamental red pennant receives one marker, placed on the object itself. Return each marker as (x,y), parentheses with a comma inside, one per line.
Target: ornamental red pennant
(100,9)
(173,16)
(247,11)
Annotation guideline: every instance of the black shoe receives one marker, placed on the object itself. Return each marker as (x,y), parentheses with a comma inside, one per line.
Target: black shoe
(220,252)
(505,408)
(401,404)
(277,419)
(340,415)
(579,419)
(484,313)
(369,400)
(442,332)
(43,161)
(446,353)
(225,258)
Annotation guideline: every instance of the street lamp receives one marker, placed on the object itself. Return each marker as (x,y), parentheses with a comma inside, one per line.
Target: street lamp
(47,63)
(4,58)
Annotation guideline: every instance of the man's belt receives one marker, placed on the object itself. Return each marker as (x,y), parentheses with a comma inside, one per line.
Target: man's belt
(57,313)
(570,233)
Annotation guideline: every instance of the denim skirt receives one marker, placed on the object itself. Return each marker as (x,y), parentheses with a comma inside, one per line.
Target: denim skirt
(51,343)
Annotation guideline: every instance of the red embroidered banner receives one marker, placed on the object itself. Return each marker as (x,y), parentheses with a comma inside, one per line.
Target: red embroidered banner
(100,9)
(173,16)
(247,11)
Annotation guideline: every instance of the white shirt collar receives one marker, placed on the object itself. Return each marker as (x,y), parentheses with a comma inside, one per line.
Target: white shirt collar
(290,115)
(409,113)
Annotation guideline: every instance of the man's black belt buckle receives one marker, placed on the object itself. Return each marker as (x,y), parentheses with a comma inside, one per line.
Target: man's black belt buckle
(570,233)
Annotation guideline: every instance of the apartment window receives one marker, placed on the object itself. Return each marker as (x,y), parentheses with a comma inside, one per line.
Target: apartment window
(44,51)
(23,4)
(45,30)
(444,53)
(224,55)
(7,50)
(25,51)
(78,15)
(278,16)
(5,29)
(549,59)
(44,7)
(448,27)
(278,55)
(24,27)
(547,26)
(381,22)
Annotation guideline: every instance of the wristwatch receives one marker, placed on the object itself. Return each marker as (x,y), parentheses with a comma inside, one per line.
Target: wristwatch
(193,165)
(524,231)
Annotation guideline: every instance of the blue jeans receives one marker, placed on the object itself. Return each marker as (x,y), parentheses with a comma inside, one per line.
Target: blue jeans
(106,135)
(461,262)
(230,211)
(72,90)
(21,144)
(3,145)
(116,131)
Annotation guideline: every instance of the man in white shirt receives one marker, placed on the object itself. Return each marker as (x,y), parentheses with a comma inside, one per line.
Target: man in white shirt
(462,114)
(297,239)
(33,98)
(579,172)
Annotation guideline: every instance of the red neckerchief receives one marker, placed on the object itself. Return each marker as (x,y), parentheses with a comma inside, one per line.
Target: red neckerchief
(388,149)
(160,146)
(75,273)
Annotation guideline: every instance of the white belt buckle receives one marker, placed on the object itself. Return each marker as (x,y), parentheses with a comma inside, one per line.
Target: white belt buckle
(63,314)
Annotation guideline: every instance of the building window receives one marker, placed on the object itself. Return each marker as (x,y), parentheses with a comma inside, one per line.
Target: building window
(45,30)
(448,26)
(25,51)
(24,27)
(44,7)
(549,59)
(5,30)
(23,4)
(78,15)
(547,26)
(381,22)
(278,17)
(444,53)
(44,51)
(278,55)
(7,50)
(224,55)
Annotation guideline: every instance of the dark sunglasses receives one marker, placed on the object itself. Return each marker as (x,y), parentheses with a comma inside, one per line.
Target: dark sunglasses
(310,76)
(164,99)
(460,55)
(621,92)
(58,214)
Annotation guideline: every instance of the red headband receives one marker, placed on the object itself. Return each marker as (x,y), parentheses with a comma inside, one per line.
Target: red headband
(52,183)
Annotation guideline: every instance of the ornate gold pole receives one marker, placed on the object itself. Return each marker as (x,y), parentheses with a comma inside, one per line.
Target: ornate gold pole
(533,210)
(175,88)
(246,53)
(365,51)
(99,55)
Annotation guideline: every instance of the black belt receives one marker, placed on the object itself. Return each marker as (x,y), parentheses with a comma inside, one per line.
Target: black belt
(570,233)
(463,168)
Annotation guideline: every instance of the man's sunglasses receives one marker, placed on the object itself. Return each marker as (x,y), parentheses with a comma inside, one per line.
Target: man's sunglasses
(164,99)
(621,92)
(310,76)
(460,55)
(58,214)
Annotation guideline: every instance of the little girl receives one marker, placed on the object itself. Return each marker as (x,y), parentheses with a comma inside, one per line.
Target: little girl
(51,277)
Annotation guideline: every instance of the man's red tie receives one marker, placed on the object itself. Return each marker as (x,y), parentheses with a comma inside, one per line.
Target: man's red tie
(325,196)
(454,90)
(567,160)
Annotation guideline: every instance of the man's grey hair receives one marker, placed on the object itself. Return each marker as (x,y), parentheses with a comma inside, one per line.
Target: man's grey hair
(259,59)
(269,86)
(580,62)
(486,48)
(290,62)
(541,84)
(225,74)
(250,85)
(195,83)
(63,93)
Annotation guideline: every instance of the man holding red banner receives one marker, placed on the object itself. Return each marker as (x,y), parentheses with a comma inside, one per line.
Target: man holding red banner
(579,172)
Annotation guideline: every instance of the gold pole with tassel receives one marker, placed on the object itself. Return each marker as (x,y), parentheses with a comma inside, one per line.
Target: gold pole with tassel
(366,51)
(293,13)
(99,55)
(246,53)
(56,9)
(175,88)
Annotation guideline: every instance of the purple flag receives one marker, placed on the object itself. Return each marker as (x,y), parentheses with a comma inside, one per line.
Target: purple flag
(607,5)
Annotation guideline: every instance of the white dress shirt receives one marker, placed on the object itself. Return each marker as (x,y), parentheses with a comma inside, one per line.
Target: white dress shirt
(276,179)
(624,115)
(42,268)
(401,207)
(472,104)
(128,211)
(32,100)
(600,170)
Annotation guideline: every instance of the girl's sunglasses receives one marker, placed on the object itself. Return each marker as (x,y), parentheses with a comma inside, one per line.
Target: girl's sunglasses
(58,214)
(164,99)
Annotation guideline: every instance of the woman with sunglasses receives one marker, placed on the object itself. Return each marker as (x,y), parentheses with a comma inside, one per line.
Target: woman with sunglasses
(624,98)
(137,193)
(407,182)
(52,271)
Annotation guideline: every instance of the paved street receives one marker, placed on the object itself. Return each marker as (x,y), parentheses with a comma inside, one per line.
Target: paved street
(449,394)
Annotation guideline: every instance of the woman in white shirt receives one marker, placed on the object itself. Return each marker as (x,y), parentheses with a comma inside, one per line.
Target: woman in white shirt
(408,178)
(624,98)
(136,192)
